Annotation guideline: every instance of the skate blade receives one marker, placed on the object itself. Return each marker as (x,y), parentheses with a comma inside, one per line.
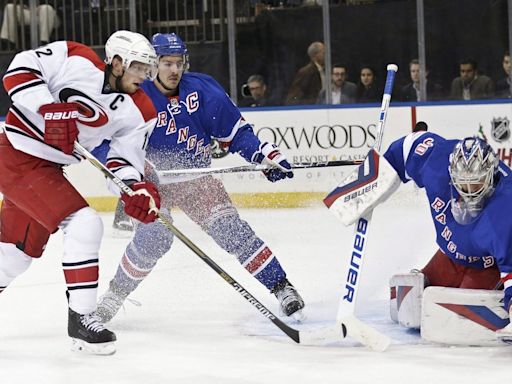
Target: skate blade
(104,349)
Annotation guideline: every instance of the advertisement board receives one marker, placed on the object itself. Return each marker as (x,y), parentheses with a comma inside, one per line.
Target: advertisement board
(317,134)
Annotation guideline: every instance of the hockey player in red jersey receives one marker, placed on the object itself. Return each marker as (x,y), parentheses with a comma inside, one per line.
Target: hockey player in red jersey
(60,93)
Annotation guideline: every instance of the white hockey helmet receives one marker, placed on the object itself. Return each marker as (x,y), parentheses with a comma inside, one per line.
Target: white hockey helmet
(130,47)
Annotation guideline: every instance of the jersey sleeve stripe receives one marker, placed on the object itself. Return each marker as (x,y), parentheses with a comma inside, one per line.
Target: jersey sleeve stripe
(10,72)
(15,81)
(17,122)
(240,123)
(18,131)
(25,86)
(117,162)
(407,147)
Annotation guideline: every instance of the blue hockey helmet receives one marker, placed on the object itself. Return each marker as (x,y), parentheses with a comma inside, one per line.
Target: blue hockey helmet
(473,167)
(170,44)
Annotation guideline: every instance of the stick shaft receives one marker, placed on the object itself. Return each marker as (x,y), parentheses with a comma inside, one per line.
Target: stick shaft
(169,175)
(361,230)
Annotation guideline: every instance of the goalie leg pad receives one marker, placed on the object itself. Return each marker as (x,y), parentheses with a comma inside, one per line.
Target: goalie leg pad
(368,185)
(457,316)
(406,295)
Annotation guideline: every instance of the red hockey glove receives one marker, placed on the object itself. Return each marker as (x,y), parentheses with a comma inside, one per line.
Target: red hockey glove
(145,202)
(60,128)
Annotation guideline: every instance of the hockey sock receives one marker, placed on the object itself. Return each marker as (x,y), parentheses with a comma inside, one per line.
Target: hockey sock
(82,236)
(236,237)
(150,243)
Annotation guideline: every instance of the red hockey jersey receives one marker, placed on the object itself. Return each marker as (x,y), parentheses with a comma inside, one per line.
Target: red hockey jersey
(66,71)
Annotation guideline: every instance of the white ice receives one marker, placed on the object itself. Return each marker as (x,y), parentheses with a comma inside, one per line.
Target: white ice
(191,327)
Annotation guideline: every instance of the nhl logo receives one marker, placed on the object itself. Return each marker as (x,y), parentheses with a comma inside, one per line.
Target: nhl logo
(500,130)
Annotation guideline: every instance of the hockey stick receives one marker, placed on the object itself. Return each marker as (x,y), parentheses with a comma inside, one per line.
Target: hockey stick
(347,305)
(177,175)
(314,336)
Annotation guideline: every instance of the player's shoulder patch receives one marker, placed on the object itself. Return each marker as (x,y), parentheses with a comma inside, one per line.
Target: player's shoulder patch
(78,49)
(145,105)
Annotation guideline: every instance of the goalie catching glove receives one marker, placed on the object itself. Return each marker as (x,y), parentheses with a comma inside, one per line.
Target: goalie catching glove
(60,130)
(269,154)
(144,204)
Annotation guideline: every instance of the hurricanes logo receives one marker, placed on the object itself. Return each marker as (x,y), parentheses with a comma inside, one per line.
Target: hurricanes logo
(90,112)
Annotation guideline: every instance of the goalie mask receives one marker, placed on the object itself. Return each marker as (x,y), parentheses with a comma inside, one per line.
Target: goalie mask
(473,166)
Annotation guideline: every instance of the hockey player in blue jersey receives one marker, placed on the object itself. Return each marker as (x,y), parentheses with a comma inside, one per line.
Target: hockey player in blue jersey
(470,196)
(466,186)
(192,109)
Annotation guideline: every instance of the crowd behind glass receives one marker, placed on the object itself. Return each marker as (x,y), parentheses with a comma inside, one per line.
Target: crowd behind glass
(88,20)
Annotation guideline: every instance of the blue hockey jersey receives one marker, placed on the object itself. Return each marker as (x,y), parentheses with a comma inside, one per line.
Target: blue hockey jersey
(487,240)
(186,124)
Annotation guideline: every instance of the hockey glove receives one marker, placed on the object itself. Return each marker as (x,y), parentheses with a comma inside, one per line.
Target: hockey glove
(144,204)
(270,154)
(60,128)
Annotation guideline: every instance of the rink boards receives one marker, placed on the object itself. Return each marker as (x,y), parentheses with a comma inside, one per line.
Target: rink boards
(316,134)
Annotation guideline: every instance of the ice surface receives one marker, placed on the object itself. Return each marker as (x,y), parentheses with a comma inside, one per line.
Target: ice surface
(192,328)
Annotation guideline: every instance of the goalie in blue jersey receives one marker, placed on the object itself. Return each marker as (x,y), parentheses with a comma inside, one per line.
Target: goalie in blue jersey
(192,109)
(470,199)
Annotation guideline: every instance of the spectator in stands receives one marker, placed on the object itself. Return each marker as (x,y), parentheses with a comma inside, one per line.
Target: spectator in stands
(503,85)
(367,89)
(18,14)
(411,91)
(343,91)
(257,91)
(83,21)
(470,85)
(310,79)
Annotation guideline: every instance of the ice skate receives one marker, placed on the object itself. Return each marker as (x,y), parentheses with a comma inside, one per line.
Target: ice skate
(123,224)
(290,301)
(108,305)
(89,335)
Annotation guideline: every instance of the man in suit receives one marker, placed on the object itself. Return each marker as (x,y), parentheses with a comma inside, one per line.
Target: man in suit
(470,85)
(411,91)
(503,84)
(310,79)
(343,91)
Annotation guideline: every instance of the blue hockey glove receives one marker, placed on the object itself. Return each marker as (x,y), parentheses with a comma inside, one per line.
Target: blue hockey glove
(269,154)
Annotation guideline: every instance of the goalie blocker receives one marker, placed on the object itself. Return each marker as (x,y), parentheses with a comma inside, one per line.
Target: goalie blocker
(453,316)
(371,183)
